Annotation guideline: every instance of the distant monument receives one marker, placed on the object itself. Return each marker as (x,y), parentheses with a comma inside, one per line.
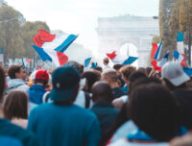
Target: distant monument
(114,32)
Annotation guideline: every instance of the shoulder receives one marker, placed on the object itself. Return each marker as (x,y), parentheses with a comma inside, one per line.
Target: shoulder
(10,130)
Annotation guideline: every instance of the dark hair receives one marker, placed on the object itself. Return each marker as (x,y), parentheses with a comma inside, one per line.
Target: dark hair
(102,91)
(136,75)
(2,83)
(110,76)
(98,68)
(13,70)
(105,61)
(155,111)
(76,66)
(16,105)
(44,82)
(142,69)
(127,70)
(91,77)
(143,81)
(117,67)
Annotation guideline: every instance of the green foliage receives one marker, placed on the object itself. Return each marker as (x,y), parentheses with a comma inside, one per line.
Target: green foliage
(16,34)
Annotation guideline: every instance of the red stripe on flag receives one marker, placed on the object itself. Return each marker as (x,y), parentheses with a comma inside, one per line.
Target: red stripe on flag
(153,50)
(111,55)
(155,66)
(42,36)
(62,58)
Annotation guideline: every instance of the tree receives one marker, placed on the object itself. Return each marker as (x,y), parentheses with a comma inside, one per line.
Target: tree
(10,39)
(169,24)
(16,34)
(29,29)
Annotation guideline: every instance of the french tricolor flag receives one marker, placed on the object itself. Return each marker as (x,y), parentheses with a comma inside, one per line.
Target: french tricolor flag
(51,47)
(124,60)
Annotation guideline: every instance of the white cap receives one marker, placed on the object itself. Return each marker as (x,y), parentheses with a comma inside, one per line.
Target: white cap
(173,72)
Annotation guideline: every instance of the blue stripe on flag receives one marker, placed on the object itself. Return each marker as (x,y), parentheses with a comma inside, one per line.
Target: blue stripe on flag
(180,37)
(164,59)
(157,54)
(188,71)
(42,54)
(176,54)
(66,43)
(87,62)
(94,65)
(130,60)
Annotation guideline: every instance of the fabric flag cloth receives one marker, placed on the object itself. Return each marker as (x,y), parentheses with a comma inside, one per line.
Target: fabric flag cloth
(158,52)
(188,71)
(126,55)
(51,47)
(181,58)
(180,42)
(157,65)
(87,62)
(164,59)
(153,51)
(111,55)
(130,60)
(94,65)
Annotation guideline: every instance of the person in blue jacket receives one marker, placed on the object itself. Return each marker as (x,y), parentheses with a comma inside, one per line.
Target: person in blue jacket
(62,123)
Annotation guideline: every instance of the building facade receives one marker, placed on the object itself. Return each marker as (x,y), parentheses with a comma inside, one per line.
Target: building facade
(114,32)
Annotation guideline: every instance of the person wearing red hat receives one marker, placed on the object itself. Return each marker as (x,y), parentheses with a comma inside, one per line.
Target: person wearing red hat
(38,89)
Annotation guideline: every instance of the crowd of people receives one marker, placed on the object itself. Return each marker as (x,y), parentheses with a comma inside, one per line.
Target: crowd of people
(110,106)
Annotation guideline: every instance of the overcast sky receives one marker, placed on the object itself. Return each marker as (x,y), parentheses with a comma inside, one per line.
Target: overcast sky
(80,16)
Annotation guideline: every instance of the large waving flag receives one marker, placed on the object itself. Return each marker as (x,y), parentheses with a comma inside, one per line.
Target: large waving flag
(126,55)
(51,47)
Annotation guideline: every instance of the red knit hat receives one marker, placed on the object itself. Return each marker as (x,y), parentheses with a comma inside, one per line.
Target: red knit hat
(42,75)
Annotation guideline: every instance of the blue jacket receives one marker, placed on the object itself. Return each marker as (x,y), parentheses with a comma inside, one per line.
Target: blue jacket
(12,135)
(106,115)
(36,93)
(68,125)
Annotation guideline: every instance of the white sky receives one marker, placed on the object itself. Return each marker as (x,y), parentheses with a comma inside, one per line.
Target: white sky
(80,16)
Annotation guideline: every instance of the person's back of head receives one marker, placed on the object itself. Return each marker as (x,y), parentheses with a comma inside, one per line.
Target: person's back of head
(155,111)
(106,61)
(174,76)
(79,67)
(91,77)
(111,77)
(136,75)
(101,91)
(15,71)
(143,81)
(117,67)
(126,71)
(16,105)
(65,82)
(41,77)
